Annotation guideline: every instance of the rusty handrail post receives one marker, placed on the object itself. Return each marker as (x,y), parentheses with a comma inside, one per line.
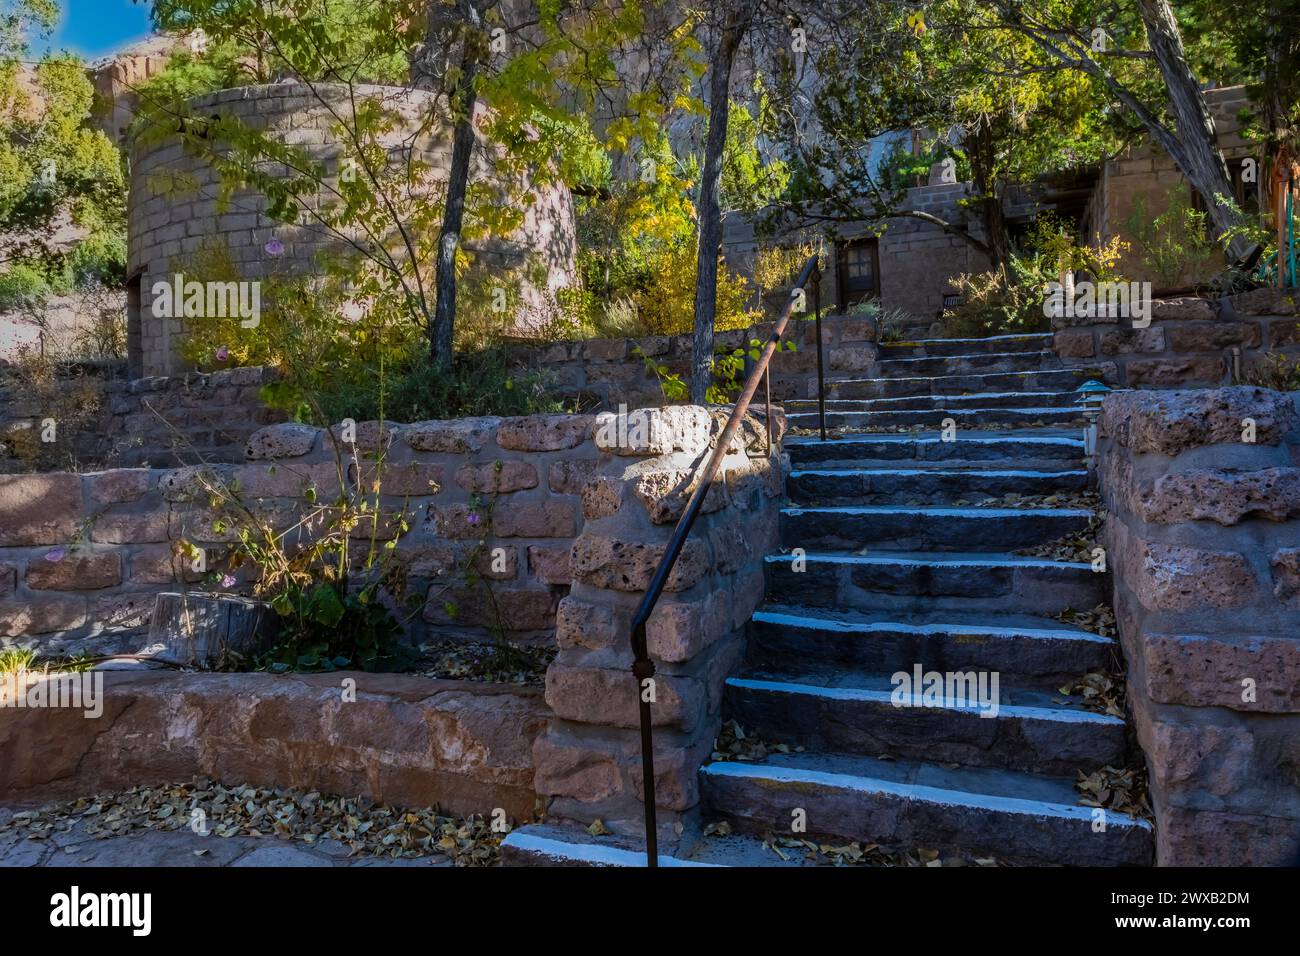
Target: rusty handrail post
(767,397)
(643,667)
(821,375)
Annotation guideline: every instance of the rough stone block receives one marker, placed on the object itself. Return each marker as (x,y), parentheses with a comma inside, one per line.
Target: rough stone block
(456,436)
(75,572)
(610,698)
(496,477)
(550,519)
(281,441)
(1285,564)
(679,630)
(132,527)
(655,431)
(1226,497)
(549,565)
(568,477)
(39,509)
(1074,343)
(1175,578)
(41,616)
(664,494)
(1214,336)
(120,485)
(544,432)
(630,565)
(1172,421)
(602,496)
(1185,308)
(1271,301)
(580,623)
(1175,371)
(1202,671)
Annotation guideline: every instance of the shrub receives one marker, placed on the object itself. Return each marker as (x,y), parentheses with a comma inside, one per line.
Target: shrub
(1276,371)
(1174,242)
(667,303)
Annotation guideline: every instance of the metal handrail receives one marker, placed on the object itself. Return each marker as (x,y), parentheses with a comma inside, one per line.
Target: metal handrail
(643,668)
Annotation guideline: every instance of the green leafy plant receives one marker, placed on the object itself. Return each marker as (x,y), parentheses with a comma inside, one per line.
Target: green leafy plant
(1275,371)
(1174,243)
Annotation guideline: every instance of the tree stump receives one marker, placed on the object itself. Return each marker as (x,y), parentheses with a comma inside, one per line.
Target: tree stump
(202,630)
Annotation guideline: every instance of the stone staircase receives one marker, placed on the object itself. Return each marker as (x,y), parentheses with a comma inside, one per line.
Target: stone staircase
(887,566)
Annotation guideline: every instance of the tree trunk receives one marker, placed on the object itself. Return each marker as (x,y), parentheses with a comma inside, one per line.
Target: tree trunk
(710,231)
(980,150)
(462,101)
(1199,157)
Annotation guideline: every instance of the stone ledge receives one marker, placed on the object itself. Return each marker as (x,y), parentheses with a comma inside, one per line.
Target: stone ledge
(407,740)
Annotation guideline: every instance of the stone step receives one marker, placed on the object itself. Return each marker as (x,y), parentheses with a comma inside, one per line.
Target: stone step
(540,844)
(1019,817)
(984,725)
(925,485)
(1026,448)
(934,417)
(980,363)
(932,528)
(911,402)
(545,844)
(915,383)
(902,582)
(925,347)
(1023,648)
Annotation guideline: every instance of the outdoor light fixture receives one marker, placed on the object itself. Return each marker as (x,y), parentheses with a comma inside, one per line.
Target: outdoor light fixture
(1091,394)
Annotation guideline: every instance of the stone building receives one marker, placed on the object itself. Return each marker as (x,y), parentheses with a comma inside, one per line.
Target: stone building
(174,212)
(910,266)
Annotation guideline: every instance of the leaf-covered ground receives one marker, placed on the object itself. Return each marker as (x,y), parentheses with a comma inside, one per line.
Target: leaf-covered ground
(364,828)
(504,664)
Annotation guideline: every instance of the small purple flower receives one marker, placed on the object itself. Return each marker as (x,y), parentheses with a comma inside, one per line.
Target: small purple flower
(56,554)
(227,581)
(223,354)
(274,247)
(472,518)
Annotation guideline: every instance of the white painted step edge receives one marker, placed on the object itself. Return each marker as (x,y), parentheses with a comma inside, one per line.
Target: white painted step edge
(953,798)
(938,511)
(596,854)
(870,627)
(862,695)
(1003,561)
(944,472)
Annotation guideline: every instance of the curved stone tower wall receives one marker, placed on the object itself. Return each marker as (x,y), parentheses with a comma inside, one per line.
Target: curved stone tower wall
(174,215)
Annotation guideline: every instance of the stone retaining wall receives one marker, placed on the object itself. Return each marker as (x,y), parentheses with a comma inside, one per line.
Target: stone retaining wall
(492,508)
(1189,341)
(159,422)
(588,763)
(1204,539)
(405,740)
(606,373)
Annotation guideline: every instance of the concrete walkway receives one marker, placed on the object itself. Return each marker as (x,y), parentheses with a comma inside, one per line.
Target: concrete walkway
(77,848)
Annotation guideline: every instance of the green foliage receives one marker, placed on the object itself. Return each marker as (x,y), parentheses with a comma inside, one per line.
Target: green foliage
(54,168)
(750,180)
(1003,301)
(1276,371)
(323,629)
(1173,243)
(478,383)
(727,376)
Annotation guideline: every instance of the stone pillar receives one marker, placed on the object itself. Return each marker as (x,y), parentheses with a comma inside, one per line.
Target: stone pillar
(1203,489)
(588,763)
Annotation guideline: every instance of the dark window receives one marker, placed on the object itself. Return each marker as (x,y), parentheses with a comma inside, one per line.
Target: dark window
(859,271)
